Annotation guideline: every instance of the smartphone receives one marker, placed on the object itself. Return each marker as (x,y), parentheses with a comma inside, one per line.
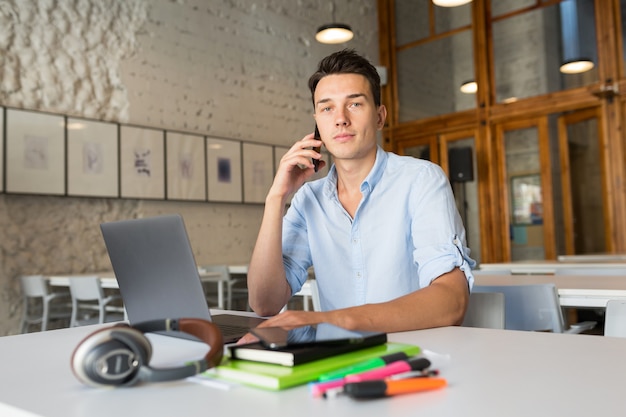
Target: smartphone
(322,333)
(316,162)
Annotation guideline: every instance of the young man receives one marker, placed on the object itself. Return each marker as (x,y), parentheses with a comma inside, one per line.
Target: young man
(382,231)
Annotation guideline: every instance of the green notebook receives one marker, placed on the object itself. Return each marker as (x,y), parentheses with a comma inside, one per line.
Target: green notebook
(277,377)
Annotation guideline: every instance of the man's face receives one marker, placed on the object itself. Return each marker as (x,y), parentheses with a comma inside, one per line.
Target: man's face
(347,117)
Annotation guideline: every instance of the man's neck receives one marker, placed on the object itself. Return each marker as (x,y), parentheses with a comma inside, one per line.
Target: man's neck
(350,176)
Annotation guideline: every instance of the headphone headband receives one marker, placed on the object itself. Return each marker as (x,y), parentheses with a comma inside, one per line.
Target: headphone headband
(120,355)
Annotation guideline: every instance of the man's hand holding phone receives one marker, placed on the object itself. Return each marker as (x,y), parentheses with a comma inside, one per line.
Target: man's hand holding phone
(316,162)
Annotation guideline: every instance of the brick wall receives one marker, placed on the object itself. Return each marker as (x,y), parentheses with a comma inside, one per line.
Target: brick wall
(229,68)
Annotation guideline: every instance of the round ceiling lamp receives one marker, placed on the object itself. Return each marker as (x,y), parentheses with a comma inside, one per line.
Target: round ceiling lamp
(334,33)
(576,66)
(469,87)
(450,3)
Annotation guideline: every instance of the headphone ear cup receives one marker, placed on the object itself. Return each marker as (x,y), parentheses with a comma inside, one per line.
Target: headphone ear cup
(111,357)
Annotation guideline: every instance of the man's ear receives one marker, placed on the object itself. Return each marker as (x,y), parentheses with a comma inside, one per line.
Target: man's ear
(382,116)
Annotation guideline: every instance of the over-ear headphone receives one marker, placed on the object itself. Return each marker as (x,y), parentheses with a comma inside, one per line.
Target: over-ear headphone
(120,355)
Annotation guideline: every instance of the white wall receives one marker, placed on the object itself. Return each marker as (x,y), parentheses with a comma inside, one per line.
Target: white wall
(228,68)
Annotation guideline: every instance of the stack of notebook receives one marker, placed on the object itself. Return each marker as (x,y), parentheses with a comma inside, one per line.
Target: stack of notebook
(273,376)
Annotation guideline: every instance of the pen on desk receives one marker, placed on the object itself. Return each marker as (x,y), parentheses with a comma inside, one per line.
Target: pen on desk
(415,365)
(388,387)
(364,366)
(415,374)
(332,389)
(397,367)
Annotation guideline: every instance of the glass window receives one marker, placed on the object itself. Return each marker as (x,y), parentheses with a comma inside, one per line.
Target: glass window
(430,76)
(585,172)
(411,21)
(530,47)
(450,18)
(501,7)
(466,191)
(525,194)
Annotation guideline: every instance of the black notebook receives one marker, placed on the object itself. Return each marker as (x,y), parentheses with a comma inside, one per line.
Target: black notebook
(306,349)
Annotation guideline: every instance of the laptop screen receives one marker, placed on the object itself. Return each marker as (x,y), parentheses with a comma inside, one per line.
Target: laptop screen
(155,268)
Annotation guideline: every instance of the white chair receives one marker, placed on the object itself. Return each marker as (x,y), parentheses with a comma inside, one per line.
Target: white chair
(615,318)
(309,292)
(533,307)
(486,310)
(220,275)
(42,305)
(88,297)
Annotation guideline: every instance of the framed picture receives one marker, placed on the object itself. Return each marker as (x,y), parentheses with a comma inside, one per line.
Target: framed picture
(35,153)
(526,199)
(142,163)
(224,170)
(92,158)
(185,171)
(258,169)
(1,149)
(279,152)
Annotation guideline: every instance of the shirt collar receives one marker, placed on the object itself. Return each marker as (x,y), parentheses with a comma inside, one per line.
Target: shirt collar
(368,183)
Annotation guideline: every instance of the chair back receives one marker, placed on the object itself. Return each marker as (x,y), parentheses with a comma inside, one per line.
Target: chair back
(86,288)
(529,307)
(34,286)
(486,310)
(315,295)
(220,269)
(615,318)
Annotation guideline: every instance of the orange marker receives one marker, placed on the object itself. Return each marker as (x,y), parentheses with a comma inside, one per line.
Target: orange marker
(388,387)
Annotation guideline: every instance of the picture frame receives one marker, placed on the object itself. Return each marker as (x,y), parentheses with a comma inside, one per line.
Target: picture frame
(142,163)
(279,152)
(185,167)
(35,153)
(92,158)
(2,109)
(258,169)
(526,199)
(224,170)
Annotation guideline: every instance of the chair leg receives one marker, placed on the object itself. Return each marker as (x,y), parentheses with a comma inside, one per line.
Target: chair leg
(229,301)
(25,317)
(74,314)
(44,317)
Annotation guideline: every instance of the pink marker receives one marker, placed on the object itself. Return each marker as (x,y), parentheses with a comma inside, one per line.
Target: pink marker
(415,364)
(319,388)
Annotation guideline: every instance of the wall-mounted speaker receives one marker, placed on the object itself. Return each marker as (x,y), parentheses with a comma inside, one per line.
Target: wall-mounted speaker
(460,164)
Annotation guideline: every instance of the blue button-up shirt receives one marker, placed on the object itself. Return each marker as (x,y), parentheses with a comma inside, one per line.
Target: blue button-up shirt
(405,233)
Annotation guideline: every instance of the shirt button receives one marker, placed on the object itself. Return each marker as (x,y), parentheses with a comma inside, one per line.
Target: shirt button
(358,275)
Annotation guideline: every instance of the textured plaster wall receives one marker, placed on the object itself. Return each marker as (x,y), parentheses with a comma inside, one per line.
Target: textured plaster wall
(229,68)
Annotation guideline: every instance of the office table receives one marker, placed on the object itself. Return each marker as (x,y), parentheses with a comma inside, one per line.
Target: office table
(574,290)
(107,279)
(547,267)
(490,373)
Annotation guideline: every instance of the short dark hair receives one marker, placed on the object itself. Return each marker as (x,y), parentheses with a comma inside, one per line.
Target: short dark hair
(346,61)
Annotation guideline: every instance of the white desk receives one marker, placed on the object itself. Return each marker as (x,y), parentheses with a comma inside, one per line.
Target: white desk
(574,290)
(107,279)
(491,373)
(547,267)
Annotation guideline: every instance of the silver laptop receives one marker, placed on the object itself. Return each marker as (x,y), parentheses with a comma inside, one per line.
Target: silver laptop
(158,275)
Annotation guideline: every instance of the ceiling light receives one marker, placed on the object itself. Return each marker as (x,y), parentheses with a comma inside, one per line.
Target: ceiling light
(469,87)
(450,3)
(334,33)
(576,66)
(577,37)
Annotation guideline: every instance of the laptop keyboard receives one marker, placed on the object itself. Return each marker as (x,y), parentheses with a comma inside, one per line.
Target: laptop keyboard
(228,330)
